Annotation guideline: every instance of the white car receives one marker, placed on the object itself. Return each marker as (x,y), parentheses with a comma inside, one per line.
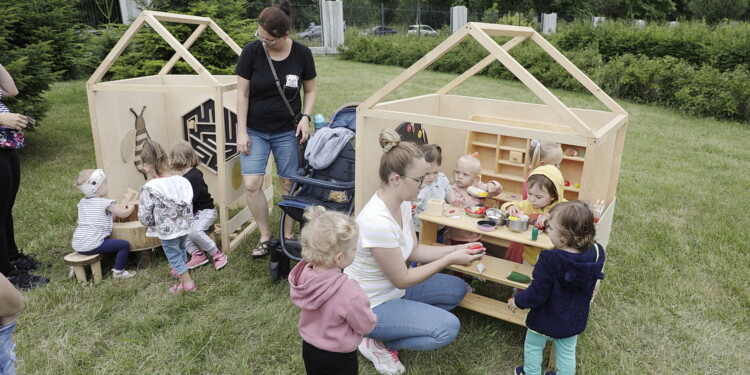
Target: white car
(421,29)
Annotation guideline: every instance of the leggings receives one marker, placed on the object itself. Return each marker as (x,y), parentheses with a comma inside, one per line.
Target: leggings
(323,362)
(109,246)
(10,180)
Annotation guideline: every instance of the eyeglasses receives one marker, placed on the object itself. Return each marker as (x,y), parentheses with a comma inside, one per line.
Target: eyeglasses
(419,180)
(264,40)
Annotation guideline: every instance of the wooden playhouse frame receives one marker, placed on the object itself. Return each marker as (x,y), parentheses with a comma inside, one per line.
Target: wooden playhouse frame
(500,130)
(176,107)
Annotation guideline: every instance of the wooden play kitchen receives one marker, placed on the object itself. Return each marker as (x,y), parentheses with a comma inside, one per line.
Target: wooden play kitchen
(495,269)
(501,132)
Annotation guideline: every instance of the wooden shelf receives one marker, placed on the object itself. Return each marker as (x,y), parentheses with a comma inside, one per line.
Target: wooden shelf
(570,188)
(483,144)
(509,163)
(573,158)
(504,176)
(496,270)
(508,148)
(494,308)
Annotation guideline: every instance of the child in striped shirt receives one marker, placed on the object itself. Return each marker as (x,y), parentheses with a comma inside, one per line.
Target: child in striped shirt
(95,222)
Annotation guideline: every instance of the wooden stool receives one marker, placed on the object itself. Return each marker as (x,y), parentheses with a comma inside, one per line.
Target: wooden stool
(79,261)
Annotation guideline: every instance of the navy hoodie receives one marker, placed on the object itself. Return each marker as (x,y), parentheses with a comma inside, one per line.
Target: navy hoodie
(560,295)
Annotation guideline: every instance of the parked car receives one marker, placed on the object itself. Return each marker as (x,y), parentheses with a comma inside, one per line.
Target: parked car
(380,30)
(312,32)
(422,30)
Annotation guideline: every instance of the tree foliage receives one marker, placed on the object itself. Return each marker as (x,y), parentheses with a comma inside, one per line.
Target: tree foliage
(714,11)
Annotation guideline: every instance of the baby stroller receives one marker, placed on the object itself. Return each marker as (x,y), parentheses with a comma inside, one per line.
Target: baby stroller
(324,182)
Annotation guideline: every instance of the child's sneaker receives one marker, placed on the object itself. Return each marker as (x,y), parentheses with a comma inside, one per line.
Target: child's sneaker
(182,287)
(124,274)
(198,259)
(518,371)
(385,360)
(550,373)
(220,260)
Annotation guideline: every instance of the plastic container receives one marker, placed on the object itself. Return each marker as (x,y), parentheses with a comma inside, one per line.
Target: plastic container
(319,121)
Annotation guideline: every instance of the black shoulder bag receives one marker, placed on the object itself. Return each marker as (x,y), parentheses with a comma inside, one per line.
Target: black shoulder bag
(295,118)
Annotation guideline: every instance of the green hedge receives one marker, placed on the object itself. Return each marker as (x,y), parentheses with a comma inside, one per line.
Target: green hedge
(634,65)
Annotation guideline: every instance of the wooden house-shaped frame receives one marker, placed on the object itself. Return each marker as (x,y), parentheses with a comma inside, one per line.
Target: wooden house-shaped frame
(500,131)
(167,107)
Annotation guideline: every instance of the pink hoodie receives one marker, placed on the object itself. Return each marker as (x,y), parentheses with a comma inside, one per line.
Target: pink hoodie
(335,310)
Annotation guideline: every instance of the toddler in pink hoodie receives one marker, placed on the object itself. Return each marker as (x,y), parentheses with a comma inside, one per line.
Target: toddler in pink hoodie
(335,310)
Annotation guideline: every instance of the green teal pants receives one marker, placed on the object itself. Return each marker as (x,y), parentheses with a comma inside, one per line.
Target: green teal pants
(565,353)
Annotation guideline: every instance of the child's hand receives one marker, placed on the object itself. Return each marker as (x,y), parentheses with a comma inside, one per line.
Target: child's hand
(514,211)
(494,188)
(541,221)
(512,305)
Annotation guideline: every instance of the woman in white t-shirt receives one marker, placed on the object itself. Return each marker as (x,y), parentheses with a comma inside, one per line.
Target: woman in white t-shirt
(412,304)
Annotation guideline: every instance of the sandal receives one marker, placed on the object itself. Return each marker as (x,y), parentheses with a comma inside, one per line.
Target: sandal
(264,248)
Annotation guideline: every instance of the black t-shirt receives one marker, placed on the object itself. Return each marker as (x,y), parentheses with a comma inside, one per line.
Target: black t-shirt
(267,111)
(201,197)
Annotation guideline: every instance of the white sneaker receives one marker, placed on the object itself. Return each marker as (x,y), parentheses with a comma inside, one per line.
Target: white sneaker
(385,360)
(124,274)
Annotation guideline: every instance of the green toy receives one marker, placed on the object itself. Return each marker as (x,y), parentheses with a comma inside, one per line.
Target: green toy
(518,277)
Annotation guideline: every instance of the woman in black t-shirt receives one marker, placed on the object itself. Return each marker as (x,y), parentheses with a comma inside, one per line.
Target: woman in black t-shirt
(264,124)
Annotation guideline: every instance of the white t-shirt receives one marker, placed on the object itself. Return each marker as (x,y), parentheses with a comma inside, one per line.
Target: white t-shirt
(378,229)
(94,223)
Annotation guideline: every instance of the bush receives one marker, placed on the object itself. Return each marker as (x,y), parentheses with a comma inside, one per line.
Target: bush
(710,92)
(644,80)
(37,44)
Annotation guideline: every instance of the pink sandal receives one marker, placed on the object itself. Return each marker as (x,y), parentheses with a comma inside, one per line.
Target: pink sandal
(181,287)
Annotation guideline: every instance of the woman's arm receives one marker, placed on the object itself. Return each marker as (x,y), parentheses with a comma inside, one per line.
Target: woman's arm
(11,302)
(7,83)
(13,120)
(309,103)
(243,103)
(393,265)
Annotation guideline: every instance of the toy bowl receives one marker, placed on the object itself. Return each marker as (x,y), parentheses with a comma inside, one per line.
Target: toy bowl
(497,215)
(486,225)
(470,211)
(517,225)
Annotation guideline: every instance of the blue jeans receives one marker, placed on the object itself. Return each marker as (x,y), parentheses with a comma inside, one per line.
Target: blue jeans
(111,245)
(174,249)
(420,320)
(565,353)
(7,356)
(284,147)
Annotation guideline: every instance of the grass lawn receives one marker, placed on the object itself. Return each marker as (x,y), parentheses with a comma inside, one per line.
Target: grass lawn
(675,300)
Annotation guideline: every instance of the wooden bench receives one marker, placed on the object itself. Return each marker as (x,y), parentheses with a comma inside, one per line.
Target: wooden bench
(79,262)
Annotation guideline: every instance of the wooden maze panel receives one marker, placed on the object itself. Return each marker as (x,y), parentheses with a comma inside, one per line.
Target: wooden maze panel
(200,130)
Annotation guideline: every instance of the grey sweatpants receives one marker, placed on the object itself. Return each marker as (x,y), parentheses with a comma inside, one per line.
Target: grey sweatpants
(197,239)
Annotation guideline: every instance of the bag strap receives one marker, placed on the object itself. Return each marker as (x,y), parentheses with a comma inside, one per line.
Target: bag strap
(278,85)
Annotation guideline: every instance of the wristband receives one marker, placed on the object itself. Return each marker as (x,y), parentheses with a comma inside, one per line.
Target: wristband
(309,119)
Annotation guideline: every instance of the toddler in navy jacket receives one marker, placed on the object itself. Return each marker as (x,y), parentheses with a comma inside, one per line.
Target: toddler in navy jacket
(559,297)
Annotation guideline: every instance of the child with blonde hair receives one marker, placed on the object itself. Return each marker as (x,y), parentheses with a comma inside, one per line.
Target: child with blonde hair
(546,186)
(335,310)
(95,212)
(541,153)
(559,297)
(184,159)
(465,180)
(165,209)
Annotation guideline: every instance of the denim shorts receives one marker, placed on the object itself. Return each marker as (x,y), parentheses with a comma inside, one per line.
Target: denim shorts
(7,355)
(284,148)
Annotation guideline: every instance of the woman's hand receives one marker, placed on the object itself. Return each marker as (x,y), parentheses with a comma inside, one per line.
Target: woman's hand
(466,253)
(13,120)
(243,143)
(514,211)
(303,128)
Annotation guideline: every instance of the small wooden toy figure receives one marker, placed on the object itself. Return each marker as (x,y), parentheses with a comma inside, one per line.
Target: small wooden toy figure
(95,221)
(565,281)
